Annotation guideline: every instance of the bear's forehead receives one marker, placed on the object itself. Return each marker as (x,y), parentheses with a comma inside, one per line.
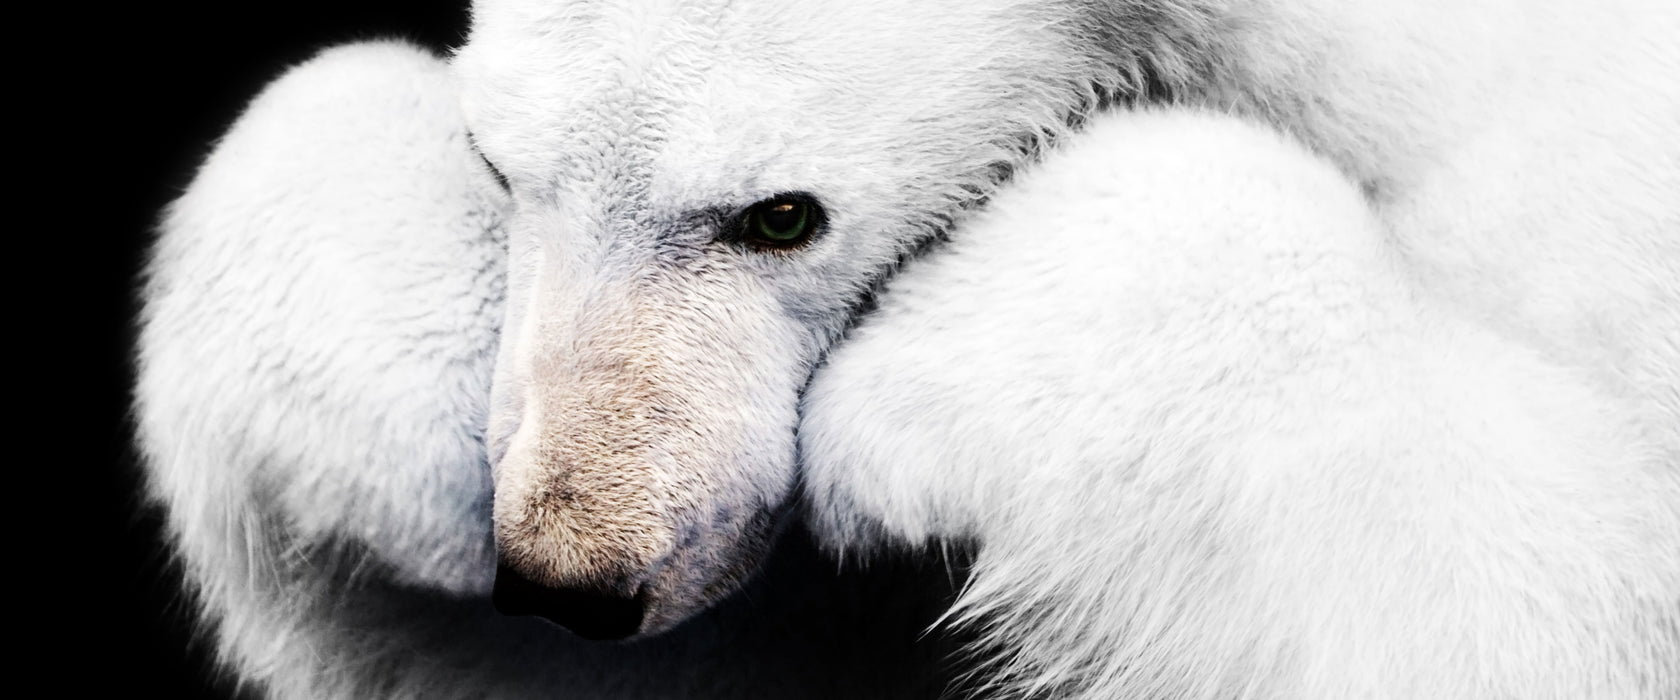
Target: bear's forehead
(707,99)
(583,91)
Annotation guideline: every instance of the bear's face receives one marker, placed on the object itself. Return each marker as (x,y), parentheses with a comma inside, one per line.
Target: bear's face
(642,428)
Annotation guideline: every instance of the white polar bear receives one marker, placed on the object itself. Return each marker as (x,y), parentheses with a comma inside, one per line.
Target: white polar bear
(1213,442)
(320,314)
(705,193)
(701,196)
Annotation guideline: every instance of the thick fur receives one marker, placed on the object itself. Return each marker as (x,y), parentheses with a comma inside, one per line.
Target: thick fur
(1214,441)
(1520,156)
(305,426)
(321,314)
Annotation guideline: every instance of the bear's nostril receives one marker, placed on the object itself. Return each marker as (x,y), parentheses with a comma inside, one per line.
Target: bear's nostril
(588,612)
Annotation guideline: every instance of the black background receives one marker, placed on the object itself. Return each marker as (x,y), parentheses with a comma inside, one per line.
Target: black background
(113,108)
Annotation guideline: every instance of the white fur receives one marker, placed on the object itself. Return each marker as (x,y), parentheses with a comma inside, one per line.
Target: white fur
(321,313)
(1213,441)
(1521,156)
(316,396)
(318,333)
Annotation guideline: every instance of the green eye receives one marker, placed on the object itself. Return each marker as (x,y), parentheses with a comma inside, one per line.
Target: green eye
(782,222)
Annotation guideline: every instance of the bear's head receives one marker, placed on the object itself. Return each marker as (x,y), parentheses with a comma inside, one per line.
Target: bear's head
(705,194)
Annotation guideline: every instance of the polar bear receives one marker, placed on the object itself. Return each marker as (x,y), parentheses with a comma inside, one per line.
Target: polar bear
(706,195)
(698,199)
(1213,441)
(321,312)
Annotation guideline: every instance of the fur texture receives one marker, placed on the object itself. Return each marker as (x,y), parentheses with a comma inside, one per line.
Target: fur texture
(320,320)
(1213,442)
(331,380)
(1521,158)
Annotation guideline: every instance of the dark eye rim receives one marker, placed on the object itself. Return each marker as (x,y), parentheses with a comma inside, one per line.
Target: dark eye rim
(816,222)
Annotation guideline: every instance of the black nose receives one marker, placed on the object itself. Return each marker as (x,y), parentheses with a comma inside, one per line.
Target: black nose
(588,613)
